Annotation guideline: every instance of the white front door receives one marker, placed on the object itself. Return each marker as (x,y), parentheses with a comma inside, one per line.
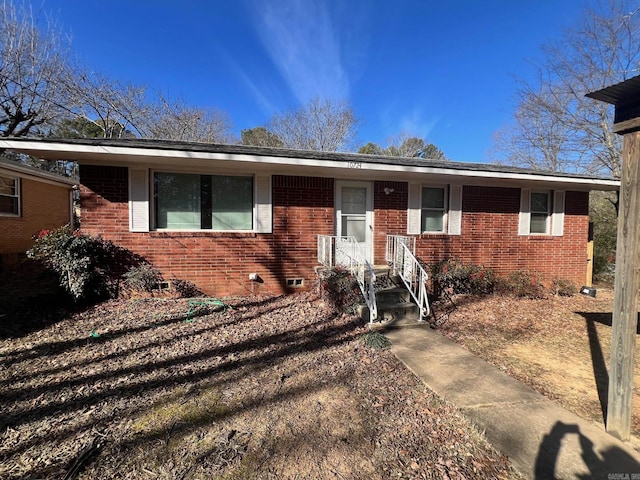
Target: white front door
(354,216)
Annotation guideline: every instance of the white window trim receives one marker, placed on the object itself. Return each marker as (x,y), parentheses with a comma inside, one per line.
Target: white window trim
(555,221)
(262,210)
(445,210)
(547,225)
(452,217)
(18,195)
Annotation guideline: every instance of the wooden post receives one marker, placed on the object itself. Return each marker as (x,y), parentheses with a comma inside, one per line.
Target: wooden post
(625,303)
(626,98)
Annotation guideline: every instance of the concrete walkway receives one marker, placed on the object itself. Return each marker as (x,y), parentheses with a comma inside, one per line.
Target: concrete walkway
(542,440)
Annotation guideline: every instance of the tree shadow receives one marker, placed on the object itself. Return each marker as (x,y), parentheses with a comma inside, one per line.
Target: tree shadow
(614,460)
(224,364)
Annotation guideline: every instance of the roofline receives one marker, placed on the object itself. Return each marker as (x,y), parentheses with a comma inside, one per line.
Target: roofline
(72,149)
(43,175)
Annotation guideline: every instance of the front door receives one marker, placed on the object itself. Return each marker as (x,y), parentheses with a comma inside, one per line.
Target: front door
(354,217)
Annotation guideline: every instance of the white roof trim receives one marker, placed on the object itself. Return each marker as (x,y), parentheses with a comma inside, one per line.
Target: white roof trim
(133,155)
(8,168)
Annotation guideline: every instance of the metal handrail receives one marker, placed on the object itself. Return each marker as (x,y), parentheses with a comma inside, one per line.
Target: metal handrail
(405,264)
(393,254)
(329,251)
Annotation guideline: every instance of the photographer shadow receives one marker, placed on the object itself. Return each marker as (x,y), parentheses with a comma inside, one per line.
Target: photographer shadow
(613,460)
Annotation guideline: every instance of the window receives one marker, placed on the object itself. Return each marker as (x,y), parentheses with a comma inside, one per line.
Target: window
(434,209)
(9,196)
(540,213)
(203,202)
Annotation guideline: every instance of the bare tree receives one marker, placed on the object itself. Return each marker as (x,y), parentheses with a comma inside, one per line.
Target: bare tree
(555,126)
(323,125)
(33,72)
(176,120)
(118,110)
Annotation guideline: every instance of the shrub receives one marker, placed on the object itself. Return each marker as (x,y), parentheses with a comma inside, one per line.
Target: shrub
(564,288)
(185,289)
(340,288)
(522,283)
(144,277)
(375,340)
(454,277)
(83,263)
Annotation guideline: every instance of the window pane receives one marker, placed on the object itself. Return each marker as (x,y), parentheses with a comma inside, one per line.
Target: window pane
(433,197)
(354,226)
(178,201)
(539,222)
(432,221)
(9,205)
(540,202)
(7,186)
(232,203)
(354,200)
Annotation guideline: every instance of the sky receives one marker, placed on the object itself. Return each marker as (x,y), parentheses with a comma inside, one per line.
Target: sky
(443,70)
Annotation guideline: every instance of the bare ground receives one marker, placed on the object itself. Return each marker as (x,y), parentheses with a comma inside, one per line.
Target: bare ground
(264,388)
(558,345)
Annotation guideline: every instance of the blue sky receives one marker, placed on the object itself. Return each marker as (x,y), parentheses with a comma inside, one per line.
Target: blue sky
(442,70)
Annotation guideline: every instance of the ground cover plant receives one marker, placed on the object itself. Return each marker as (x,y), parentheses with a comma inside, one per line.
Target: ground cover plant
(274,387)
(559,344)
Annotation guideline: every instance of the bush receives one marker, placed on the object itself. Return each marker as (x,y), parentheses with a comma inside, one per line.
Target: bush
(522,283)
(340,288)
(144,277)
(564,288)
(83,263)
(185,289)
(454,277)
(375,340)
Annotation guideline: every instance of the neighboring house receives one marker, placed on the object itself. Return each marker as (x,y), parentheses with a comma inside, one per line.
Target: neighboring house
(215,214)
(30,200)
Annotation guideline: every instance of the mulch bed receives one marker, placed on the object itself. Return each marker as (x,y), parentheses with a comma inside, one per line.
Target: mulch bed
(274,387)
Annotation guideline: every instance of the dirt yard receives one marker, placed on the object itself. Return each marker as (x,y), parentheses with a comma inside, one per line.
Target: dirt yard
(265,388)
(558,345)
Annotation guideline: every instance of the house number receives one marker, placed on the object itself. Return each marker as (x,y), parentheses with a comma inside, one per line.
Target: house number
(355,164)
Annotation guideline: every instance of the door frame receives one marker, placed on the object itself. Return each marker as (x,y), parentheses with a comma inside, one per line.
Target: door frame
(369,226)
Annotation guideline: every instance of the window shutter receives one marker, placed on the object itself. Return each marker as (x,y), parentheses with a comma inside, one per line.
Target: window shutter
(415,209)
(264,212)
(138,200)
(557,219)
(455,210)
(525,212)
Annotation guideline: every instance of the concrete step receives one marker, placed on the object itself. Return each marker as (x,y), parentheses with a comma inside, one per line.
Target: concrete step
(393,295)
(393,315)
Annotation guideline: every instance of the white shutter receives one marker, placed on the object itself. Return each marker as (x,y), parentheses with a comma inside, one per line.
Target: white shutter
(138,200)
(264,212)
(414,212)
(455,210)
(557,219)
(525,212)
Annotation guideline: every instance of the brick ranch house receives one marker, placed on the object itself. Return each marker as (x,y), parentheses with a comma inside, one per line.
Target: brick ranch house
(216,214)
(30,200)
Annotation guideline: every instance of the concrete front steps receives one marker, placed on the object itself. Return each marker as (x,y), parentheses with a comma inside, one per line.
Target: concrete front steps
(396,308)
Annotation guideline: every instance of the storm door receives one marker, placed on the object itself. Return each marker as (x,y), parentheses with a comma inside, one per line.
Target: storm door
(354,218)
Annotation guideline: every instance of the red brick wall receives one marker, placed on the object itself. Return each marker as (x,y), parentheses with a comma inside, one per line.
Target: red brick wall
(219,263)
(390,215)
(490,237)
(44,207)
